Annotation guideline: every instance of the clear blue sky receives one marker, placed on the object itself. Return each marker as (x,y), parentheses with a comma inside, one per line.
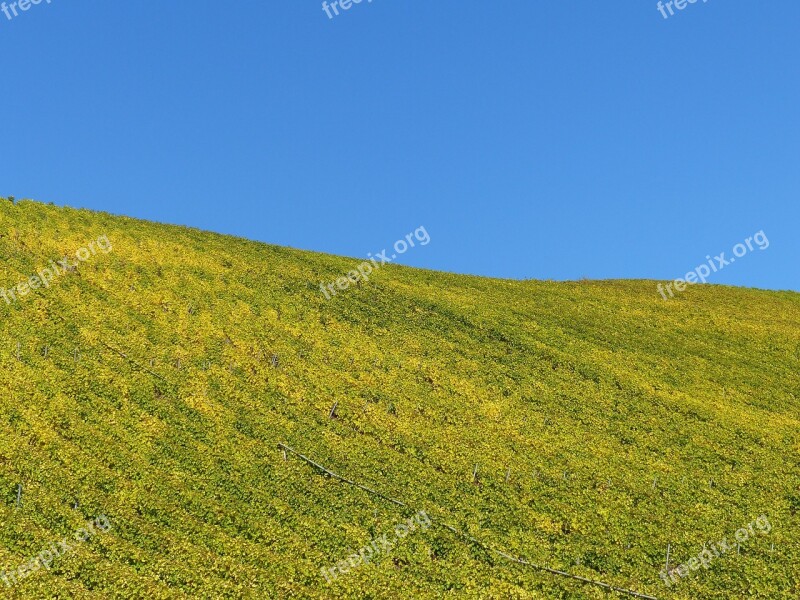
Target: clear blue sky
(552,140)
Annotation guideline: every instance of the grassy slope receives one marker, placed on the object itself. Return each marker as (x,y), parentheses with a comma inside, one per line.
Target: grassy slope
(587,391)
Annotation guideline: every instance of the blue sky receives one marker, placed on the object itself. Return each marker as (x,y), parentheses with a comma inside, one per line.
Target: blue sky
(549,140)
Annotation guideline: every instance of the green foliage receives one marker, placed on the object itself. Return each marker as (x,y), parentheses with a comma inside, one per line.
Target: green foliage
(158,403)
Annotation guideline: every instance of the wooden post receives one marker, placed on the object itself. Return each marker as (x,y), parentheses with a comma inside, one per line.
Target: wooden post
(666,566)
(332,414)
(508,473)
(475,474)
(19,494)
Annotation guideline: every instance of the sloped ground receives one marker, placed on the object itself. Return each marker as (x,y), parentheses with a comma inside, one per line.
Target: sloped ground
(153,384)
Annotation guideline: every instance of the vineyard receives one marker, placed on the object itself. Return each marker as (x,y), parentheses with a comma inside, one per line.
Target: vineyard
(188,386)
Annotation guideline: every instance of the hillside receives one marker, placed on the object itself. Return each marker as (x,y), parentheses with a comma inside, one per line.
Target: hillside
(580,426)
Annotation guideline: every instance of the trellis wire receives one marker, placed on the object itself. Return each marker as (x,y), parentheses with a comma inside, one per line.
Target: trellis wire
(520,561)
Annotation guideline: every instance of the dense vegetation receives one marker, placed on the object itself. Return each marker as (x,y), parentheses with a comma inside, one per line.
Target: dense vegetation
(153,385)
